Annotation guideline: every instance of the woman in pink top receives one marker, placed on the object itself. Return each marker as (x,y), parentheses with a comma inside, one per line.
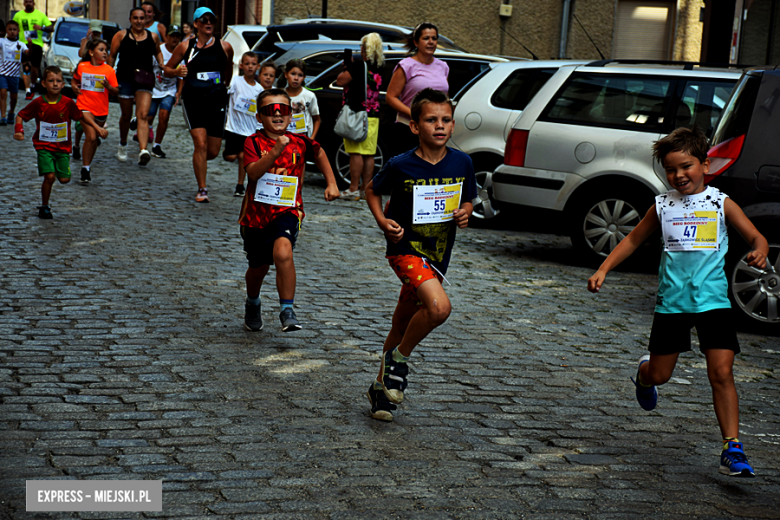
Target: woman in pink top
(420,70)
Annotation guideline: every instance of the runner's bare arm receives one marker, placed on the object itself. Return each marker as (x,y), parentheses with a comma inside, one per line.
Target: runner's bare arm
(116,41)
(462,214)
(172,68)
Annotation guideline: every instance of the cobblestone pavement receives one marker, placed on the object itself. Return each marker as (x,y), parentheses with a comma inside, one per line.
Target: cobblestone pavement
(123,356)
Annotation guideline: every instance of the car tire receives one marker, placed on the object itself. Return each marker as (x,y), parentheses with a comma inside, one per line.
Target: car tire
(603,217)
(341,162)
(755,293)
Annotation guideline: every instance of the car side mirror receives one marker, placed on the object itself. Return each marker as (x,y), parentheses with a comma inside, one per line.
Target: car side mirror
(768,178)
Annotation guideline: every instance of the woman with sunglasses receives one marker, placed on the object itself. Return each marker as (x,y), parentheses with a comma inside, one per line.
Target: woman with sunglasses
(138,49)
(206,65)
(411,75)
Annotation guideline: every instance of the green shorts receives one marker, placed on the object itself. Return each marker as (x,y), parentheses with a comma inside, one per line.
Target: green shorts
(57,162)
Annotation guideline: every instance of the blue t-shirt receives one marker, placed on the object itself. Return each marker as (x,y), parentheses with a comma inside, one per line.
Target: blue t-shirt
(397,178)
(693,281)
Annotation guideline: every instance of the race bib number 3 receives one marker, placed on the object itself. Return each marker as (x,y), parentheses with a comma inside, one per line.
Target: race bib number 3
(690,231)
(298,124)
(432,204)
(277,190)
(93,82)
(53,132)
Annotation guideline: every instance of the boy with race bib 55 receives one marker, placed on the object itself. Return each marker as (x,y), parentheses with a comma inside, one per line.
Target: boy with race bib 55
(692,286)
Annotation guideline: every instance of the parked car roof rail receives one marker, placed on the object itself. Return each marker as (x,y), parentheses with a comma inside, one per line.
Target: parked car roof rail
(687,65)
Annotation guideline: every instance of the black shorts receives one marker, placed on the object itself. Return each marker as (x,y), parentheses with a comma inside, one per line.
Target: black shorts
(671,333)
(34,56)
(259,242)
(234,143)
(204,115)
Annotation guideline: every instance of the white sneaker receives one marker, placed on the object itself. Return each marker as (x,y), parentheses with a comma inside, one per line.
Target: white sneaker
(121,153)
(144,157)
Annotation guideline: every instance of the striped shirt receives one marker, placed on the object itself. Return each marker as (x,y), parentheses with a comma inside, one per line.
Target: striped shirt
(11,59)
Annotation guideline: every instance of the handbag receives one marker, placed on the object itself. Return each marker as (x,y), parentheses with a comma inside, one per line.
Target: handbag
(350,124)
(143,79)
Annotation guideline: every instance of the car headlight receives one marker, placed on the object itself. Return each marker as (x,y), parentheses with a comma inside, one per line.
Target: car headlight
(62,62)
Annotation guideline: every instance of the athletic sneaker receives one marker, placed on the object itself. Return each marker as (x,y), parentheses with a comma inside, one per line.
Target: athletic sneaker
(289,321)
(45,212)
(144,157)
(3,121)
(28,96)
(10,118)
(133,124)
(85,176)
(75,152)
(253,319)
(394,377)
(350,195)
(158,152)
(381,407)
(121,153)
(647,396)
(240,190)
(202,196)
(733,462)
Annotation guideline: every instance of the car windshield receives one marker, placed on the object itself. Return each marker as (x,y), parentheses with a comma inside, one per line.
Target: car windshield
(251,37)
(70,34)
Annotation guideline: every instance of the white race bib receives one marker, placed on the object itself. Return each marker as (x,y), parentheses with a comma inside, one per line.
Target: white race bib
(53,132)
(211,77)
(433,204)
(690,230)
(245,106)
(13,55)
(276,190)
(89,82)
(298,124)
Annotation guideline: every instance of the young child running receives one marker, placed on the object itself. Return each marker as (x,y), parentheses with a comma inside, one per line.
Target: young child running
(10,64)
(306,112)
(430,188)
(53,113)
(92,82)
(692,287)
(272,210)
(242,115)
(266,78)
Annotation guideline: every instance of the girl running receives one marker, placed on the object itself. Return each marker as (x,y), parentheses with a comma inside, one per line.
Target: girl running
(92,82)
(305,112)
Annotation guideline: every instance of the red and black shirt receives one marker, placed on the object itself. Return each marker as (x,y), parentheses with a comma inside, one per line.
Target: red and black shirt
(62,111)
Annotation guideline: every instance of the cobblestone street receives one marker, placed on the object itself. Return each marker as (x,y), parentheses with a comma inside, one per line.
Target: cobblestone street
(123,356)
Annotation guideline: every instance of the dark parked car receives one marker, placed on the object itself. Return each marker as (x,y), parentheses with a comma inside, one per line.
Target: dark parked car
(746,166)
(463,68)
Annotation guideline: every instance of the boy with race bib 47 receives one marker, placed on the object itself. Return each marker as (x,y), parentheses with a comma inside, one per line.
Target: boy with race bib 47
(272,210)
(431,188)
(692,286)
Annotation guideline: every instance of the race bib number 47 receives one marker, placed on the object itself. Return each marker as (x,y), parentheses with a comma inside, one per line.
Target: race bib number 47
(690,231)
(276,190)
(432,204)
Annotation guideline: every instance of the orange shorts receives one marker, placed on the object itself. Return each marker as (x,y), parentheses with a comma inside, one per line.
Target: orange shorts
(412,271)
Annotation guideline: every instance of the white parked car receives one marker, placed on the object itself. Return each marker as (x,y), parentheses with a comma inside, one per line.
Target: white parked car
(242,38)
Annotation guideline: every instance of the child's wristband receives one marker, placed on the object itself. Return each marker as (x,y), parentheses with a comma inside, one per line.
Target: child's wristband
(19,129)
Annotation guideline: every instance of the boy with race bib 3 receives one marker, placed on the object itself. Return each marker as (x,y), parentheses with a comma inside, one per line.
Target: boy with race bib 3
(431,188)
(272,210)
(692,286)
(53,113)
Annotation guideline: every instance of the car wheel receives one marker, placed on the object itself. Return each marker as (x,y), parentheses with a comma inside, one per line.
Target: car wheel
(341,163)
(600,222)
(755,293)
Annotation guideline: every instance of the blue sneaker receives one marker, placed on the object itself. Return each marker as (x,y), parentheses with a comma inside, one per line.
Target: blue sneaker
(394,377)
(647,396)
(733,462)
(3,122)
(10,118)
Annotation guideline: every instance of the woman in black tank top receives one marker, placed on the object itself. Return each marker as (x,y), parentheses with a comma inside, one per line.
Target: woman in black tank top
(136,47)
(206,65)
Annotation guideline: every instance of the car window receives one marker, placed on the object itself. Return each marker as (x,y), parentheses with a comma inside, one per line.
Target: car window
(520,87)
(702,103)
(251,37)
(463,71)
(738,111)
(70,34)
(633,103)
(319,63)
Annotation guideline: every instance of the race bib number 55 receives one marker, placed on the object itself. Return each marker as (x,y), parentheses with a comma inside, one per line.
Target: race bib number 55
(690,230)
(277,190)
(432,204)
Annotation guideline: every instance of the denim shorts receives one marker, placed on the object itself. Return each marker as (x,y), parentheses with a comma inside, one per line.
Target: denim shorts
(164,103)
(9,83)
(127,90)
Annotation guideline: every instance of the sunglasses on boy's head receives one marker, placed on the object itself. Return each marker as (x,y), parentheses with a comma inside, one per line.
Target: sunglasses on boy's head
(272,108)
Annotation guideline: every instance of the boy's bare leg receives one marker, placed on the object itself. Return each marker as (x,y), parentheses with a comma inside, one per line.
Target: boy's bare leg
(724,393)
(48,182)
(658,370)
(403,314)
(14,97)
(254,279)
(434,311)
(242,171)
(162,126)
(3,96)
(285,268)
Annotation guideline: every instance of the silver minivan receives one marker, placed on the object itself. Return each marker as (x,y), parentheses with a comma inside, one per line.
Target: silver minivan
(582,146)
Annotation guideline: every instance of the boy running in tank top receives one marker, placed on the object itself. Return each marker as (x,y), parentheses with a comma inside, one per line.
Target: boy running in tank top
(431,188)
(272,210)
(692,287)
(53,113)
(242,115)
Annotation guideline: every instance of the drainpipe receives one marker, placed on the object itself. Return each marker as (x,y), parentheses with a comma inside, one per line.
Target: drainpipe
(565,16)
